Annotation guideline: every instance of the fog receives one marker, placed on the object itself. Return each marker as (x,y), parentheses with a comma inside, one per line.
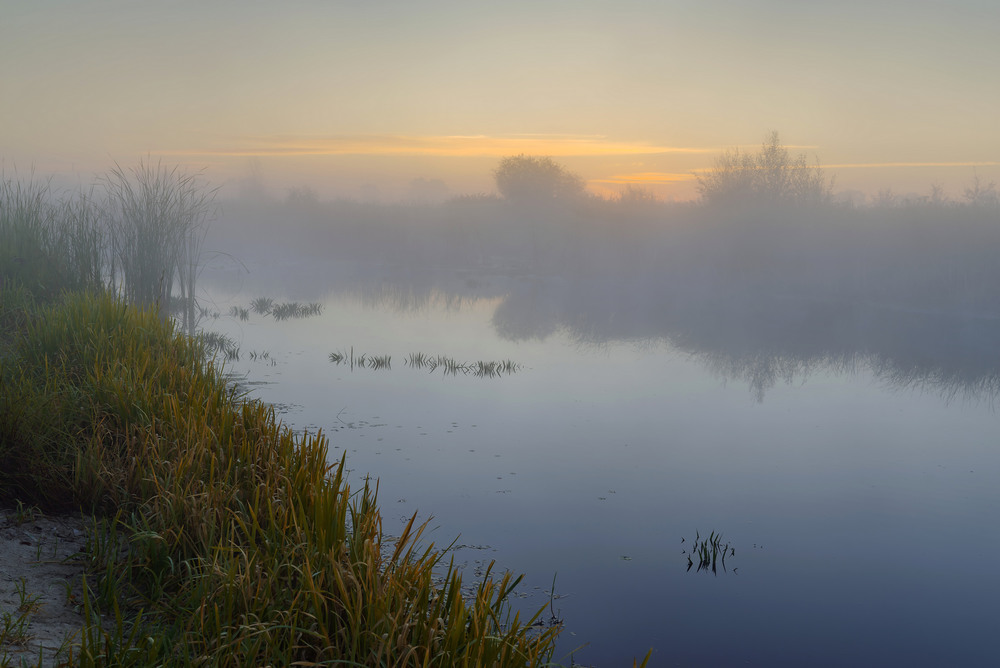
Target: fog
(795,370)
(795,355)
(759,290)
(771,361)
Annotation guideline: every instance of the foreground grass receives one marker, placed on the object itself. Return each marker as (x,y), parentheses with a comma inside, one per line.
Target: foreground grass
(224,539)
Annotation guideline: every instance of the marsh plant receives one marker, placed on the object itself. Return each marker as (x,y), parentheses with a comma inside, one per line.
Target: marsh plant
(708,553)
(453,367)
(14,628)
(261,356)
(418,360)
(262,305)
(363,361)
(15,625)
(139,234)
(216,343)
(48,243)
(380,362)
(277,310)
(156,220)
(448,365)
(288,310)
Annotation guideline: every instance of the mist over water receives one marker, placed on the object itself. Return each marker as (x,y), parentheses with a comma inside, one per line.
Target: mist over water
(908,290)
(818,383)
(806,377)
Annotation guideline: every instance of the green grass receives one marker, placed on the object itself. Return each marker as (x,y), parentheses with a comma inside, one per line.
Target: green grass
(225,536)
(220,537)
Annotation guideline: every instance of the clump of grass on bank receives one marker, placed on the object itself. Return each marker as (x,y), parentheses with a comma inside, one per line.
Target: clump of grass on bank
(226,538)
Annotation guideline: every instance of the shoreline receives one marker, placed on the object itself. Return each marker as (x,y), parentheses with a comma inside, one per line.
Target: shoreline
(42,565)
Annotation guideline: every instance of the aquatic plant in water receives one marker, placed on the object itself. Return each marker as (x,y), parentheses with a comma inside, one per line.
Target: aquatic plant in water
(287,310)
(220,343)
(708,553)
(418,360)
(262,305)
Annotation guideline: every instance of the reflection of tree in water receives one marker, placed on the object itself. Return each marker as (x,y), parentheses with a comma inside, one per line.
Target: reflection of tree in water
(405,298)
(764,341)
(761,372)
(736,332)
(526,316)
(950,383)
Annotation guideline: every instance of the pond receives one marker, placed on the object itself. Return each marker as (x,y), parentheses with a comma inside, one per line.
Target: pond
(852,471)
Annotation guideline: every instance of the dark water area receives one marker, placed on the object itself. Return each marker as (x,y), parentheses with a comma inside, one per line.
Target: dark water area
(847,452)
(821,392)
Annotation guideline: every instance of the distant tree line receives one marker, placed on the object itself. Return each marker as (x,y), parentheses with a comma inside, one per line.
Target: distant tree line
(769,176)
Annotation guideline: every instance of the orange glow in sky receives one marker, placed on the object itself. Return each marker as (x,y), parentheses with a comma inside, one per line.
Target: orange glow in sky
(447,146)
(342,96)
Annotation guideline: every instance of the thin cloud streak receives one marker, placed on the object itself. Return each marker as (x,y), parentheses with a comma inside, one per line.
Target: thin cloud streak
(442,146)
(884,165)
(853,165)
(645,177)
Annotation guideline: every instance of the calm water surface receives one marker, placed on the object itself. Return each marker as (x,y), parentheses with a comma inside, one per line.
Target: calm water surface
(862,515)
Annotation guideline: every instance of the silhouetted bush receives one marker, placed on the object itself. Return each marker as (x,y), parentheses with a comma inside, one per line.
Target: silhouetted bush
(526,179)
(770,176)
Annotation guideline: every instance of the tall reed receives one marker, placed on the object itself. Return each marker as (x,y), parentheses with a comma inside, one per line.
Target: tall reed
(48,244)
(142,236)
(157,221)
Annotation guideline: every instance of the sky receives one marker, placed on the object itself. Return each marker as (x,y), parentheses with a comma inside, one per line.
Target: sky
(363,98)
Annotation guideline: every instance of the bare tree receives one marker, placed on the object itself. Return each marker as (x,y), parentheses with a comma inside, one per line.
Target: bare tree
(982,194)
(770,176)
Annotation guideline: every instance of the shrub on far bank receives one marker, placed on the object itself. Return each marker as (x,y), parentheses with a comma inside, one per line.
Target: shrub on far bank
(768,177)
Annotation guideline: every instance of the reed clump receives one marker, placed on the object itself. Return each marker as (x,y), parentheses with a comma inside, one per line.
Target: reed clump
(287,310)
(138,235)
(47,243)
(448,365)
(708,553)
(224,538)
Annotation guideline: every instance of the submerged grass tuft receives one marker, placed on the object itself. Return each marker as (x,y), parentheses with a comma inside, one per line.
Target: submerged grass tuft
(214,342)
(708,553)
(262,305)
(287,310)
(448,365)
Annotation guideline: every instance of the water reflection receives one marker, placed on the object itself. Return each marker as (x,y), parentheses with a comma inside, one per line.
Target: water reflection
(758,340)
(594,465)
